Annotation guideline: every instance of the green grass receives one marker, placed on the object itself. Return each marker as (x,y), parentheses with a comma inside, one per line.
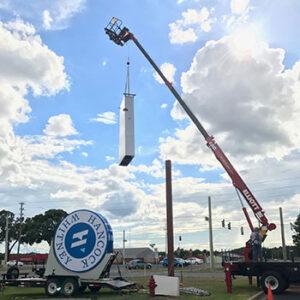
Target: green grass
(241,291)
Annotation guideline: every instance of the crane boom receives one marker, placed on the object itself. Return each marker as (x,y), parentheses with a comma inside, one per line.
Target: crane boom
(120,35)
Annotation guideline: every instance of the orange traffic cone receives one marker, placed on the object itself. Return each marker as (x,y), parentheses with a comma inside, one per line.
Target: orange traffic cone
(270,295)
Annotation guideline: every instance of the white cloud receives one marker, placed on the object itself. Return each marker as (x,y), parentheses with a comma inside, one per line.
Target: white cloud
(60,126)
(177,35)
(47,19)
(164,105)
(192,16)
(187,147)
(156,169)
(168,70)
(104,63)
(84,154)
(239,7)
(107,117)
(48,147)
(109,158)
(48,14)
(185,30)
(33,65)
(58,14)
(239,89)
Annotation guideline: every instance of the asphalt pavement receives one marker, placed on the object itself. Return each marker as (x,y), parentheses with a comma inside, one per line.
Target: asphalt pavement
(292,293)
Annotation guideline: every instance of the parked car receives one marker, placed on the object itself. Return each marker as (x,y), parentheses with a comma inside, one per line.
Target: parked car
(138,264)
(178,262)
(14,263)
(194,261)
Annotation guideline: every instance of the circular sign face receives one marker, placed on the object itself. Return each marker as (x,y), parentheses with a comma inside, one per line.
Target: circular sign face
(81,240)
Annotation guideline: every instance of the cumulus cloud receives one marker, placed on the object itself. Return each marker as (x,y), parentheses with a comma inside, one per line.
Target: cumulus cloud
(107,117)
(240,90)
(33,65)
(185,30)
(33,68)
(168,70)
(164,105)
(178,35)
(60,126)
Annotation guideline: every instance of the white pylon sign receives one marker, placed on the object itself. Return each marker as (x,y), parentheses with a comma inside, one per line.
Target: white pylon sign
(126,142)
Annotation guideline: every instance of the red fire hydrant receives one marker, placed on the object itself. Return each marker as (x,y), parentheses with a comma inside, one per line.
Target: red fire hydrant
(152,285)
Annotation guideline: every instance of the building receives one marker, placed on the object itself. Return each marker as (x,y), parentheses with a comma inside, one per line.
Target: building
(146,254)
(30,258)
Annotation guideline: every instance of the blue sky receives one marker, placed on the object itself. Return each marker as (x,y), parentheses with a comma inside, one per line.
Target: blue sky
(236,67)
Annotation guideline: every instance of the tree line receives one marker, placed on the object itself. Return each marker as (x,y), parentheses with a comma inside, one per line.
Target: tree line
(41,227)
(36,229)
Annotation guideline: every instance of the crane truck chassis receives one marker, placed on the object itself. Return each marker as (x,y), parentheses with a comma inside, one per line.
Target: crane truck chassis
(277,275)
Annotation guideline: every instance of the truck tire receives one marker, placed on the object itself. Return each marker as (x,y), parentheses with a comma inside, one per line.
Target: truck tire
(12,272)
(277,282)
(52,287)
(70,287)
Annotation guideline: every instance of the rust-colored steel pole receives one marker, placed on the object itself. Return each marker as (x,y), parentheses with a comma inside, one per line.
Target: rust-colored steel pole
(169,204)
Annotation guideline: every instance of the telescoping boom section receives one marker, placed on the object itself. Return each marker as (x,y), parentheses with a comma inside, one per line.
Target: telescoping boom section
(121,35)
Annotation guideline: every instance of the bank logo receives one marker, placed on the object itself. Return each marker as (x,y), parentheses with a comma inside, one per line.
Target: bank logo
(81,240)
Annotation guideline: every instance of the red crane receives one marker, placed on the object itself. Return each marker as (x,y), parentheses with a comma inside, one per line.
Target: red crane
(121,35)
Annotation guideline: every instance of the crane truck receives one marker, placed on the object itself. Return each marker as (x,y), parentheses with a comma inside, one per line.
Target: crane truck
(278,275)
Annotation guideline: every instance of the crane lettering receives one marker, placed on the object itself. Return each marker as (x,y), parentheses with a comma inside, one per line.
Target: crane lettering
(251,200)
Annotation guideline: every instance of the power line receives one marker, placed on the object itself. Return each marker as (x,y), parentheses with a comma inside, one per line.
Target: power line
(200,200)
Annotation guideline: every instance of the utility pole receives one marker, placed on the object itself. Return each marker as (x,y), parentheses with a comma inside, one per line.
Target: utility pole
(169,205)
(20,228)
(211,247)
(6,258)
(124,241)
(282,235)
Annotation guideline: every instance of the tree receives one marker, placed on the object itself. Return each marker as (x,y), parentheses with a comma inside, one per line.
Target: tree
(3,214)
(41,227)
(296,236)
(14,227)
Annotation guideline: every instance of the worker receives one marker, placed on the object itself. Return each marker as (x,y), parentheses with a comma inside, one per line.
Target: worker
(256,241)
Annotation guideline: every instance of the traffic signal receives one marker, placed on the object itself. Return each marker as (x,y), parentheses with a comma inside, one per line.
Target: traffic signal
(180,238)
(229,226)
(223,223)
(242,230)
